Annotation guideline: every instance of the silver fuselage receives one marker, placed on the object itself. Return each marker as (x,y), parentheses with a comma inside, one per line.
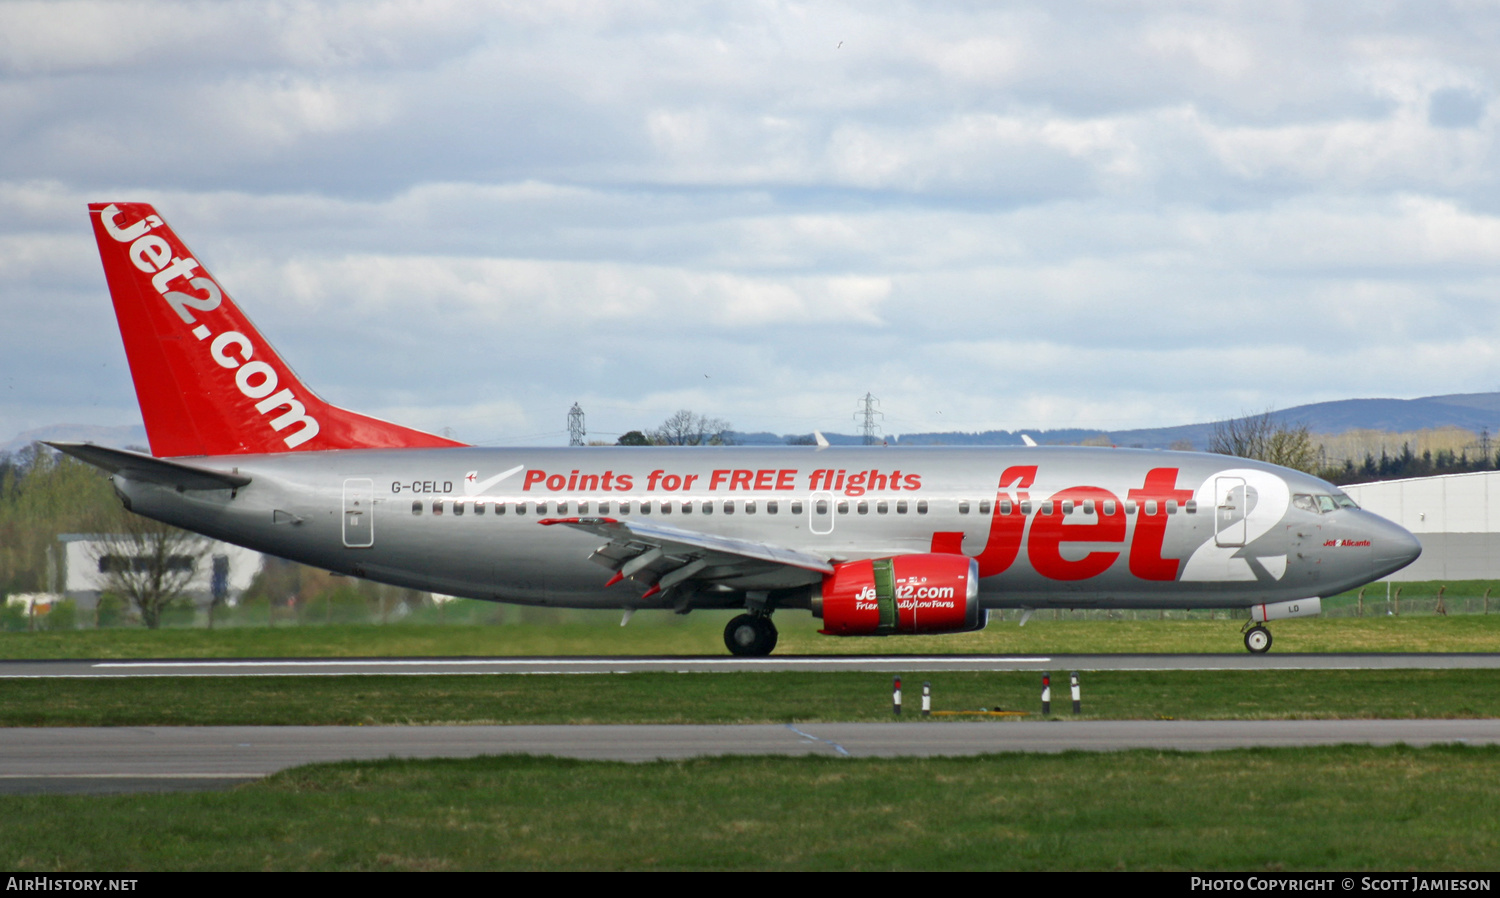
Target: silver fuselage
(1099,529)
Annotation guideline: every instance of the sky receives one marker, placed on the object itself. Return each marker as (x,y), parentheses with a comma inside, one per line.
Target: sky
(466,217)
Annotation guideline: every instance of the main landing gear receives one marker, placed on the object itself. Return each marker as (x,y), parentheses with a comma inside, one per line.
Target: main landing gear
(750,635)
(1257,639)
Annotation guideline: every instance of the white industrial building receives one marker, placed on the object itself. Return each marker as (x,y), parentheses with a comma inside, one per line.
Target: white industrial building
(1455,516)
(88,555)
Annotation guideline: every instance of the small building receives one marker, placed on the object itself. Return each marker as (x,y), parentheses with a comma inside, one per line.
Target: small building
(89,559)
(1455,516)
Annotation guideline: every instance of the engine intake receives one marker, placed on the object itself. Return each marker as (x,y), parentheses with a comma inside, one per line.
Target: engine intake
(905,594)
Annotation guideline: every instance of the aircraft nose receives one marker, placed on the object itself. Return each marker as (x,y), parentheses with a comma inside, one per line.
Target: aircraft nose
(1395,546)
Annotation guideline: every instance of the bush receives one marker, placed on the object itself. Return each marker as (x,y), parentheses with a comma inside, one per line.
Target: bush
(179,613)
(63,616)
(111,611)
(13,617)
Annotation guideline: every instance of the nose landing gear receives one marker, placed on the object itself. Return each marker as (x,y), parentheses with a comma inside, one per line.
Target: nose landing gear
(1257,639)
(750,635)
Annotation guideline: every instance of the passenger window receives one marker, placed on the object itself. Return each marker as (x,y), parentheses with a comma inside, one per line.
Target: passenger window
(843,507)
(416,506)
(1130,507)
(1171,506)
(963,506)
(541,508)
(882,507)
(437,506)
(708,507)
(1047,507)
(520,508)
(921,506)
(604,508)
(1150,506)
(666,507)
(499,508)
(562,508)
(771,506)
(1005,506)
(458,507)
(583,508)
(749,506)
(1088,506)
(797,507)
(479,506)
(1191,506)
(901,506)
(862,507)
(1067,506)
(729,506)
(984,507)
(1109,506)
(1025,506)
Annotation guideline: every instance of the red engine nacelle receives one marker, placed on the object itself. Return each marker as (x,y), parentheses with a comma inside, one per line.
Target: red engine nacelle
(905,594)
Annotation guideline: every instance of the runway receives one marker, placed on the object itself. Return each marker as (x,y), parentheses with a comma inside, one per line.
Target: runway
(106,759)
(122,759)
(894,664)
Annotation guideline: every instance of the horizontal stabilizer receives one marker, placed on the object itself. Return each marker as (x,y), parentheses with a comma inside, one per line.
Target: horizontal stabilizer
(135,466)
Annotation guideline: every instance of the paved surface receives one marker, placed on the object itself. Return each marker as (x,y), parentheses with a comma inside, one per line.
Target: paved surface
(103,759)
(128,759)
(307,667)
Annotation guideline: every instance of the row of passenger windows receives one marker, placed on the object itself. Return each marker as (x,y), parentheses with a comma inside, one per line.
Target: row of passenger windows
(663,506)
(1107,507)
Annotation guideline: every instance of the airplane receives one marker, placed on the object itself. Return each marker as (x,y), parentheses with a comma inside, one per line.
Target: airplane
(872,540)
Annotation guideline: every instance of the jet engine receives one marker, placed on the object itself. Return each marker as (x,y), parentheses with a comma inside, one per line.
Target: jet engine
(934,593)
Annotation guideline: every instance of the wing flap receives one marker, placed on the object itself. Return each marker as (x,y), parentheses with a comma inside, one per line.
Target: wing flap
(664,557)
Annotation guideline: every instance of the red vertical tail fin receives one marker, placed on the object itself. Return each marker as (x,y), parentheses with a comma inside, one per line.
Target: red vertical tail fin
(207,381)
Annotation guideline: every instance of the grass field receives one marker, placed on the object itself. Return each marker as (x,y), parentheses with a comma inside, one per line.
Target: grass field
(1340,808)
(737,697)
(660,633)
(1344,808)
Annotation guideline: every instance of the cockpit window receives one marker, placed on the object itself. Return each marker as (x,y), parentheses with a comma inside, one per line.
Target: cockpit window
(1305,502)
(1326,504)
(1344,501)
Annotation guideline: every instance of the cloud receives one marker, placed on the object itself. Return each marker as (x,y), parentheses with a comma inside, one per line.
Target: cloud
(473,215)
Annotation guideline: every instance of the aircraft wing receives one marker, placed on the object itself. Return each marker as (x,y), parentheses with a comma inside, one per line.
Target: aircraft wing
(663,557)
(135,466)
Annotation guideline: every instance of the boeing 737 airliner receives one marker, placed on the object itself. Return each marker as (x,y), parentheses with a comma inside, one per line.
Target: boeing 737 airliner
(872,541)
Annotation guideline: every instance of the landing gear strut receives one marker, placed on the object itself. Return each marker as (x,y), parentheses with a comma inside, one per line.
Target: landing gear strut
(750,635)
(1258,640)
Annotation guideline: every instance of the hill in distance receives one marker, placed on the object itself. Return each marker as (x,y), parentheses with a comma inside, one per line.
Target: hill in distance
(1470,411)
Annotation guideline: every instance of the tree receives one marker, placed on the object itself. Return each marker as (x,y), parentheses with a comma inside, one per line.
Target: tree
(688,429)
(633,438)
(43,494)
(1263,438)
(149,563)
